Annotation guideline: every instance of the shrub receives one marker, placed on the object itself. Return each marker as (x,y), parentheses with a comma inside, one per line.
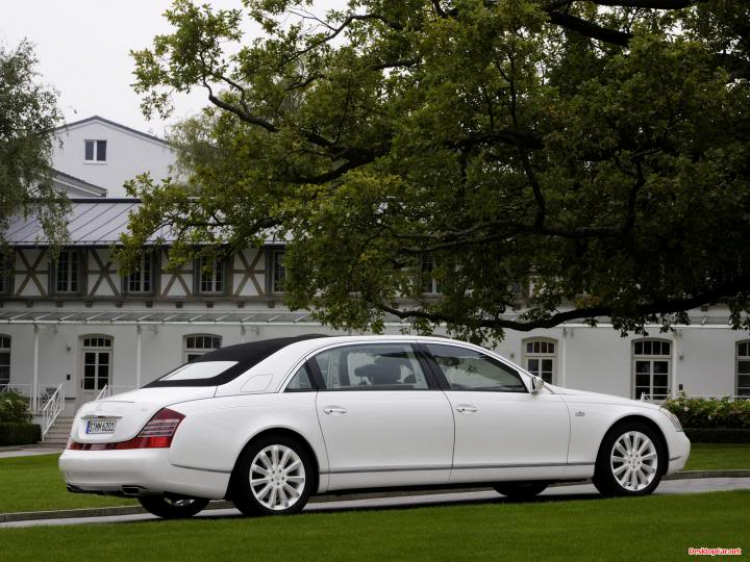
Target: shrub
(718,435)
(14,407)
(15,433)
(710,413)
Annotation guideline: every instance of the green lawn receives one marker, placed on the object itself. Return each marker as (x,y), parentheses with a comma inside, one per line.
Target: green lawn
(651,528)
(719,456)
(35,484)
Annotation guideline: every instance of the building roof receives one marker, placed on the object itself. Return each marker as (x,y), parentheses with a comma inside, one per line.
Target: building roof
(192,317)
(96,118)
(68,180)
(247,317)
(91,222)
(98,221)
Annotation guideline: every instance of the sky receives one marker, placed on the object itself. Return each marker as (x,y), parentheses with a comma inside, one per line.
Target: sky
(83,50)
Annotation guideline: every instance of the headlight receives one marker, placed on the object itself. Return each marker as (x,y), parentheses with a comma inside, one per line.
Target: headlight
(674,419)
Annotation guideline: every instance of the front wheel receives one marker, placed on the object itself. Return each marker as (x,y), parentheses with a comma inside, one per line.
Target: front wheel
(173,508)
(631,461)
(275,477)
(521,490)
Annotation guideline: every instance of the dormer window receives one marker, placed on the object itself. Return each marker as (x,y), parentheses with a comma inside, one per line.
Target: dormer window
(95,151)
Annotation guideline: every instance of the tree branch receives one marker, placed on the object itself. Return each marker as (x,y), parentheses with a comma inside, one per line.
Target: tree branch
(657,307)
(589,29)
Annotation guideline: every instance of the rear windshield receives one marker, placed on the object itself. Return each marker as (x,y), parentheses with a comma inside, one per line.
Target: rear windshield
(198,371)
(225,364)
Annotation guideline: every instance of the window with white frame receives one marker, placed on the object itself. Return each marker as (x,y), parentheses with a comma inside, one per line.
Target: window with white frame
(199,344)
(540,358)
(212,276)
(652,368)
(4,361)
(68,272)
(743,369)
(278,271)
(140,281)
(95,150)
(430,286)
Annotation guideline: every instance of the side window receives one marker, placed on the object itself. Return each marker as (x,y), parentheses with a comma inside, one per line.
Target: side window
(372,367)
(301,381)
(466,369)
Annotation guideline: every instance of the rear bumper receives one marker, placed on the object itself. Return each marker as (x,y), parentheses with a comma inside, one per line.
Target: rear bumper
(138,472)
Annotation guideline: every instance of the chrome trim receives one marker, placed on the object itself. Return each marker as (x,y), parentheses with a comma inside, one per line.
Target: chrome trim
(202,469)
(461,467)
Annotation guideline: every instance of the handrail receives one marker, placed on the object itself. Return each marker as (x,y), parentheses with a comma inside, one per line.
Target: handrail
(104,392)
(23,389)
(52,409)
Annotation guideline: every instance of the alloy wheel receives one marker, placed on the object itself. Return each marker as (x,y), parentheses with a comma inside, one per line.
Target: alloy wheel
(277,477)
(634,461)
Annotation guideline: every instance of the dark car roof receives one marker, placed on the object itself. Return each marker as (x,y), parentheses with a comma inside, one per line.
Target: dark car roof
(247,355)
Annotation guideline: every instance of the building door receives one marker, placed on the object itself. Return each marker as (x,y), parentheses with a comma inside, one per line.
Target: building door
(96,367)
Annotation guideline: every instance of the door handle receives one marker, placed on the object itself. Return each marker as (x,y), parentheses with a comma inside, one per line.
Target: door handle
(467,409)
(337,410)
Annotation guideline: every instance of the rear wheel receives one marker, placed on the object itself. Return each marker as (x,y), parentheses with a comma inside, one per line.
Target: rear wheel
(275,477)
(521,490)
(173,508)
(631,461)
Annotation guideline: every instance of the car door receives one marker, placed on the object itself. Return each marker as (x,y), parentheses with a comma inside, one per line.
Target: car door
(384,421)
(502,431)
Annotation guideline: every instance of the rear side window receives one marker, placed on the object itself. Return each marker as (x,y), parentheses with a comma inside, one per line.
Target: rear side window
(467,369)
(301,381)
(371,367)
(199,371)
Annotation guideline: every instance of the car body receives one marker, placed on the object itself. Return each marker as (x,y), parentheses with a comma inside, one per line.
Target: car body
(360,412)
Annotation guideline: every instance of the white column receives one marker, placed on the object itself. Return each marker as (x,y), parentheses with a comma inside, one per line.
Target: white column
(35,383)
(675,361)
(563,357)
(138,331)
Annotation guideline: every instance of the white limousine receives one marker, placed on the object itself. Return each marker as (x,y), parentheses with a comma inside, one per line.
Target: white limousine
(270,423)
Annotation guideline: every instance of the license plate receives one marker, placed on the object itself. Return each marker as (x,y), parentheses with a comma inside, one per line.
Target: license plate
(101,426)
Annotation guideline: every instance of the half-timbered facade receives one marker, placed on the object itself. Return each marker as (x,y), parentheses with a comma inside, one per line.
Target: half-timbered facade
(76,324)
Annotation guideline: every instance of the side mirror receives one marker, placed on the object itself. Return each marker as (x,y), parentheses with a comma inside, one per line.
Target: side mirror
(537,384)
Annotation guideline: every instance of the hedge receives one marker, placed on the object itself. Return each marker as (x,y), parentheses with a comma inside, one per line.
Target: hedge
(13,433)
(710,413)
(718,435)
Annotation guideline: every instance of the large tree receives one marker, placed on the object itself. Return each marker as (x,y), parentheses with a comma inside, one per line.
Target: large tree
(28,117)
(595,151)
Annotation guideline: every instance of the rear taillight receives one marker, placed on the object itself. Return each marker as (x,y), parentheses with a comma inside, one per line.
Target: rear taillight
(157,434)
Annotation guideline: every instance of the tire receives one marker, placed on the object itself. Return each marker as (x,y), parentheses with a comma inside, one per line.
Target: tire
(520,490)
(173,508)
(275,476)
(631,461)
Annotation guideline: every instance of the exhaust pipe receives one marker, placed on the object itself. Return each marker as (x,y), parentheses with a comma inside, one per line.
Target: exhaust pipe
(132,491)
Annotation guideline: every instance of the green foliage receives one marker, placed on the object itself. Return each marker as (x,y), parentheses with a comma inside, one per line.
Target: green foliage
(14,407)
(710,413)
(506,141)
(28,116)
(17,433)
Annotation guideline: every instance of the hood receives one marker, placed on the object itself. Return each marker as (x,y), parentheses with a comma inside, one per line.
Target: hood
(573,396)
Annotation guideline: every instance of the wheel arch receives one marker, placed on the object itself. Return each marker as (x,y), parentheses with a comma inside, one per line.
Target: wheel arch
(277,431)
(646,421)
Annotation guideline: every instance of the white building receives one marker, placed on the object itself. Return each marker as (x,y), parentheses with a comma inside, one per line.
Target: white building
(77,328)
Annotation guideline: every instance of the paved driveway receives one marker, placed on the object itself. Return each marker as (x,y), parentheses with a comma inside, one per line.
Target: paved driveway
(559,493)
